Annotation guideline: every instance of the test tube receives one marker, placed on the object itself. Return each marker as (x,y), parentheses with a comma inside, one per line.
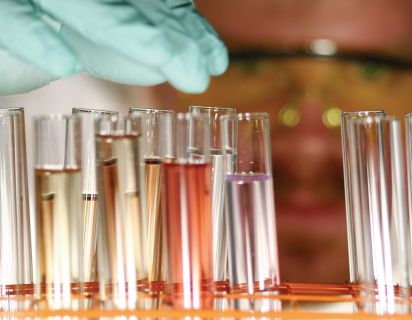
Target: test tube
(15,241)
(354,230)
(187,218)
(58,205)
(157,137)
(218,161)
(408,142)
(250,211)
(89,189)
(379,201)
(121,232)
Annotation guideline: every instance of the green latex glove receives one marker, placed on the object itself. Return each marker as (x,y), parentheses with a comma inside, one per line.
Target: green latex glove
(138,42)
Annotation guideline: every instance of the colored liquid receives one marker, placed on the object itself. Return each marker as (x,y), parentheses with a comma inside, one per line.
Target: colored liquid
(153,174)
(89,209)
(188,224)
(253,259)
(59,212)
(122,234)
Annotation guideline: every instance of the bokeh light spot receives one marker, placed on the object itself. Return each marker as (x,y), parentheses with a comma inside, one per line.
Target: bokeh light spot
(289,117)
(331,117)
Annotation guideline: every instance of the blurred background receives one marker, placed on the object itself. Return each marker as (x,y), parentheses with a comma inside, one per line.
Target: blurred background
(303,62)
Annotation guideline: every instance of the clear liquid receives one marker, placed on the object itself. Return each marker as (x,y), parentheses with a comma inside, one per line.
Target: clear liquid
(89,209)
(59,212)
(252,244)
(218,217)
(153,174)
(188,224)
(122,233)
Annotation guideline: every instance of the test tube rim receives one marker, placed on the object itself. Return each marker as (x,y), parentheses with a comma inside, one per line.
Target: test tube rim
(246,116)
(363,113)
(76,110)
(213,108)
(150,110)
(12,110)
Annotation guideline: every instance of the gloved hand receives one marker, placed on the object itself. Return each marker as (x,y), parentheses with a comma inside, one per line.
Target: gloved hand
(138,42)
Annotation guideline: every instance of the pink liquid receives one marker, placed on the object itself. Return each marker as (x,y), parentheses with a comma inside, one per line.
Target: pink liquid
(188,227)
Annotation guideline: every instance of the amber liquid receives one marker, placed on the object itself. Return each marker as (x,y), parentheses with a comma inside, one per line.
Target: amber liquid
(188,224)
(58,203)
(122,234)
(89,209)
(153,175)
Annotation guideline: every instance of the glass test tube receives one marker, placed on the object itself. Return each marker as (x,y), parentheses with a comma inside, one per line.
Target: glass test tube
(121,232)
(408,142)
(89,189)
(378,196)
(157,141)
(250,211)
(354,229)
(186,214)
(15,241)
(218,161)
(58,205)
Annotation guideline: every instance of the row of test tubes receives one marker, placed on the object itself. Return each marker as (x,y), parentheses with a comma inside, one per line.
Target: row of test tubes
(156,199)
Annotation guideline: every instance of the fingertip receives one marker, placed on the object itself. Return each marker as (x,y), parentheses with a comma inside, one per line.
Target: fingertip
(187,76)
(218,61)
(62,65)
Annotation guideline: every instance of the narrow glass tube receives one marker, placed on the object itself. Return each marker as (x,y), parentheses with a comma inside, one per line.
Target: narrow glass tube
(186,214)
(15,241)
(157,140)
(58,205)
(250,211)
(89,189)
(408,148)
(354,230)
(218,161)
(378,197)
(121,232)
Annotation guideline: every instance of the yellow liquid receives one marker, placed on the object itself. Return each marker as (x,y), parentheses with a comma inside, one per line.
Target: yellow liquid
(58,202)
(122,233)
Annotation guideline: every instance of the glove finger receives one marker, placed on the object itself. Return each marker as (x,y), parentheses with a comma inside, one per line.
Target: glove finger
(30,39)
(186,69)
(119,25)
(108,64)
(199,29)
(113,24)
(19,77)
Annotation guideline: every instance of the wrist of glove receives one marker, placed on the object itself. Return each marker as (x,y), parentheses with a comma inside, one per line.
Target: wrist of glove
(138,42)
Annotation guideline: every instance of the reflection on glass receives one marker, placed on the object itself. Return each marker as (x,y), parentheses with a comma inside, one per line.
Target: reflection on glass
(354,230)
(157,137)
(89,189)
(121,230)
(15,241)
(58,205)
(187,214)
(250,212)
(379,202)
(218,161)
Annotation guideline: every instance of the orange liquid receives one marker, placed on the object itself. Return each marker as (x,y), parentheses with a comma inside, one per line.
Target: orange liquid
(154,232)
(188,223)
